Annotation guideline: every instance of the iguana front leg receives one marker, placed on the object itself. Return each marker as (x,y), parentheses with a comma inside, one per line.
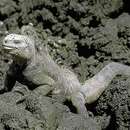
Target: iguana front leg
(43,90)
(95,86)
(79,102)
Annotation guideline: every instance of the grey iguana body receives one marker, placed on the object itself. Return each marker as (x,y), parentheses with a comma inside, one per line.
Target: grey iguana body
(33,66)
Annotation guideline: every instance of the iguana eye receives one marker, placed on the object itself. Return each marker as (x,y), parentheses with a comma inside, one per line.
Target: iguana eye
(17,42)
(5,41)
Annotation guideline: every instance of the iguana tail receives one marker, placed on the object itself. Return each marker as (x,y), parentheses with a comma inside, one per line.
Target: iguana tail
(95,86)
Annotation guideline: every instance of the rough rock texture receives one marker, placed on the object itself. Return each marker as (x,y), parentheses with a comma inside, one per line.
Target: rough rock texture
(14,118)
(73,122)
(82,34)
(116,102)
(39,113)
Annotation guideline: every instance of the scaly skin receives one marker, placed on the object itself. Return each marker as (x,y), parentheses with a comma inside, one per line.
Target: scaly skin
(26,66)
(35,67)
(95,86)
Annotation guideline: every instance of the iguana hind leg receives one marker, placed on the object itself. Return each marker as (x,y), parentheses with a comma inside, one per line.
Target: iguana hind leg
(79,102)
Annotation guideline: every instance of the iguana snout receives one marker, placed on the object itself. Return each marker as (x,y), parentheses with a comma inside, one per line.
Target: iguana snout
(14,41)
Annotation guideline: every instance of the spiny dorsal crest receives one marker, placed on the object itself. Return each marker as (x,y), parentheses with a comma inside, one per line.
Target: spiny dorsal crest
(30,31)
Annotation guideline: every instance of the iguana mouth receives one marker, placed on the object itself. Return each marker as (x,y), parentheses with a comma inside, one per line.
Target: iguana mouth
(7,47)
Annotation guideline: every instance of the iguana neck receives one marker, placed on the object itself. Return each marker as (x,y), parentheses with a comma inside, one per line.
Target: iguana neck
(49,66)
(20,62)
(23,61)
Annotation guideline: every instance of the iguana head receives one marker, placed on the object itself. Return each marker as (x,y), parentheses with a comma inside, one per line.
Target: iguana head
(19,46)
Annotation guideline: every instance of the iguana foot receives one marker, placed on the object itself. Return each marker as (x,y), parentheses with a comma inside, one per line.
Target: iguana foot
(79,102)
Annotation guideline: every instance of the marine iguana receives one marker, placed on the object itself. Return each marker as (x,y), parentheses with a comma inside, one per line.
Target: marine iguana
(33,66)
